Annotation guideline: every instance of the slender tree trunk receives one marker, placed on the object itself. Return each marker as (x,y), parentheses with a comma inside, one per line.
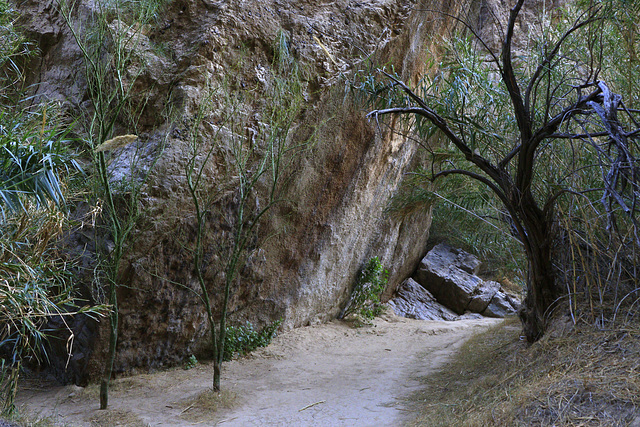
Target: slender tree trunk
(113,340)
(216,375)
(216,349)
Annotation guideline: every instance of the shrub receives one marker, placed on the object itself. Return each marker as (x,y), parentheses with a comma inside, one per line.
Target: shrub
(243,339)
(365,300)
(14,49)
(35,168)
(33,158)
(191,362)
(35,286)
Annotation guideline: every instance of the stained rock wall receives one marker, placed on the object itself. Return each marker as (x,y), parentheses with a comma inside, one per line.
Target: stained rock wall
(334,220)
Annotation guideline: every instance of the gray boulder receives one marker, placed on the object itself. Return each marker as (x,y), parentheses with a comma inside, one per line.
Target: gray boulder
(500,306)
(470,316)
(448,273)
(482,296)
(514,301)
(415,302)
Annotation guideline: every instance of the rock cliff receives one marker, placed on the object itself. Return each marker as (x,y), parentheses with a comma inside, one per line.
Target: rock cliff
(334,217)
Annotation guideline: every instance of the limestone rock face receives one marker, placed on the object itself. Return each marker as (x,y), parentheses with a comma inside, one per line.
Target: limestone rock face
(332,219)
(415,302)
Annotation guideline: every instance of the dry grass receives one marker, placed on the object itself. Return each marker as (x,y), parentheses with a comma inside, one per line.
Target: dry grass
(19,418)
(206,405)
(117,417)
(575,376)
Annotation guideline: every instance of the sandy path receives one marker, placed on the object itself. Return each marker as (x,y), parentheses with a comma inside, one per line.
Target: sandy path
(325,375)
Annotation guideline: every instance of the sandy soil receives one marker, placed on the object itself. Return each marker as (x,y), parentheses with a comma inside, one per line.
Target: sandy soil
(325,375)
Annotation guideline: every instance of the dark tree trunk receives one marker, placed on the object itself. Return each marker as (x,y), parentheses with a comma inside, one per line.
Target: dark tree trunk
(113,341)
(542,287)
(541,294)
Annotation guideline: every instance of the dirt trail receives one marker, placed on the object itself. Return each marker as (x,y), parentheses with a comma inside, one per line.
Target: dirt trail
(325,375)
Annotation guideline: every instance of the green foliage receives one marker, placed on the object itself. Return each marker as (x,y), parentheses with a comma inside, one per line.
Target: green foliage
(259,157)
(465,214)
(35,282)
(109,41)
(35,166)
(26,304)
(9,375)
(35,285)
(34,155)
(473,225)
(33,140)
(14,47)
(521,135)
(365,299)
(134,11)
(191,363)
(244,339)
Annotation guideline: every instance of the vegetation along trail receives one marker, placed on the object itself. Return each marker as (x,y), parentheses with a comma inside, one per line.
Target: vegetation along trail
(328,375)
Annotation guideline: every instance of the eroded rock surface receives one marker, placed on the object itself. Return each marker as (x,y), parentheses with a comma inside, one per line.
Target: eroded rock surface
(444,272)
(501,304)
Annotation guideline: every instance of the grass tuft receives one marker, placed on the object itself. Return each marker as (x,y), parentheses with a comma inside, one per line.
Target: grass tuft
(117,417)
(206,405)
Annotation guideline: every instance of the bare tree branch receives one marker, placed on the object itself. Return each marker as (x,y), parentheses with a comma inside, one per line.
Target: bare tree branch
(425,111)
(475,176)
(509,78)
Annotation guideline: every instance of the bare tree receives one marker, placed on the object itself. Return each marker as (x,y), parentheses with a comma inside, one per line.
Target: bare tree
(261,157)
(557,105)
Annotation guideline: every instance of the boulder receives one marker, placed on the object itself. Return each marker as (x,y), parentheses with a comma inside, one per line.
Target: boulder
(500,306)
(448,273)
(467,262)
(482,296)
(513,300)
(470,316)
(415,302)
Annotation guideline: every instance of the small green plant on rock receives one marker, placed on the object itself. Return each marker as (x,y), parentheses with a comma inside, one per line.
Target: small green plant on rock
(365,302)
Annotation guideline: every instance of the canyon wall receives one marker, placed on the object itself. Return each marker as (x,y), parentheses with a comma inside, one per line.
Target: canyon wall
(334,216)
